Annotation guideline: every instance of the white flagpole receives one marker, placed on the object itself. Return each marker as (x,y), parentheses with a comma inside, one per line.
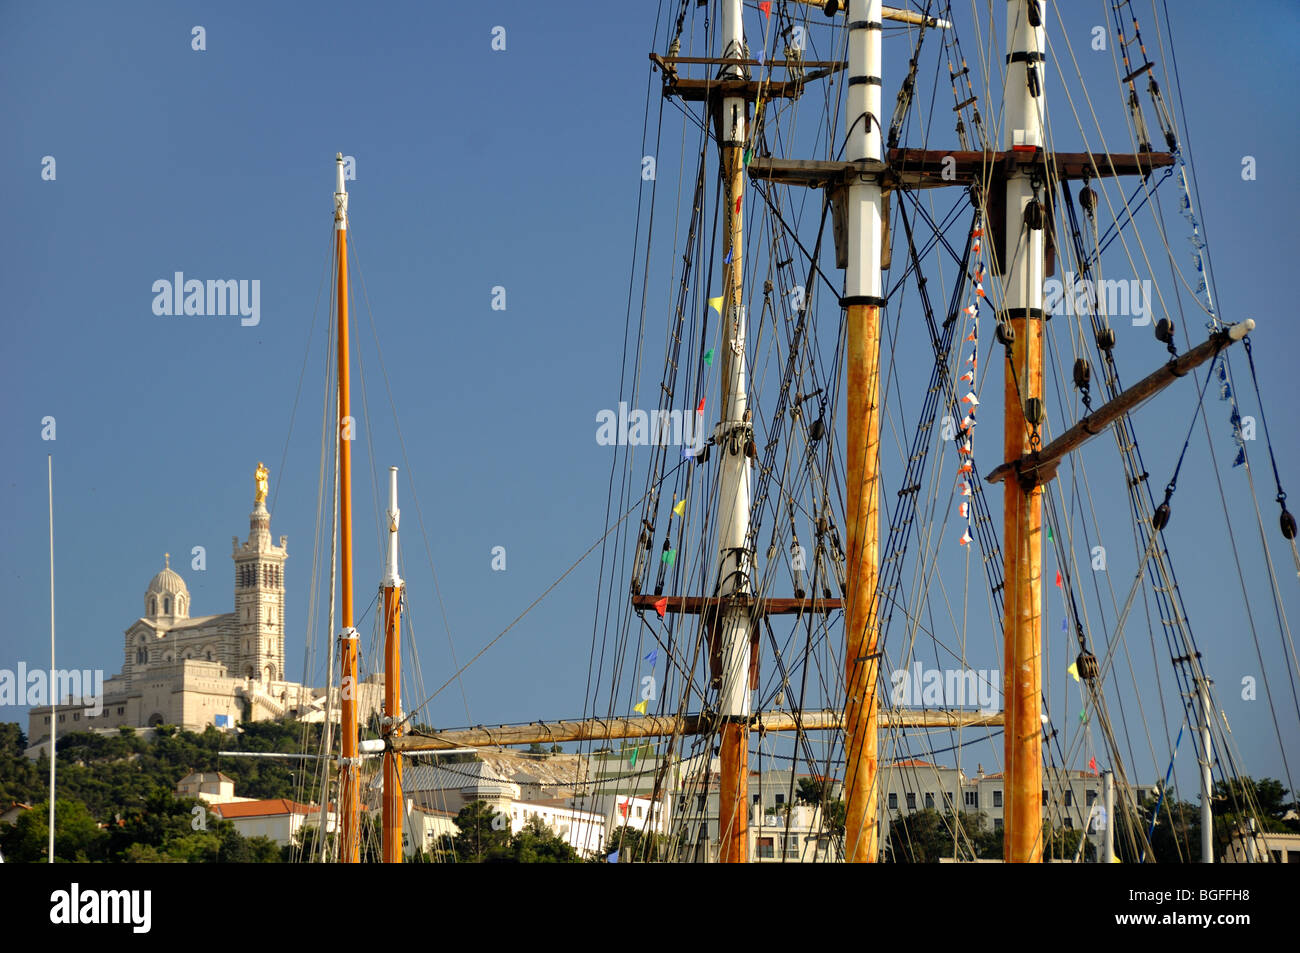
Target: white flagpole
(54,721)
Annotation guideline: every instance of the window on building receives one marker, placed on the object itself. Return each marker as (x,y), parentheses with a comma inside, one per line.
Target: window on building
(756,797)
(997,798)
(167,606)
(703,802)
(1069,798)
(766,848)
(929,799)
(639,811)
(973,799)
(1044,797)
(997,823)
(1092,796)
(893,802)
(1293,857)
(780,799)
(1069,823)
(911,802)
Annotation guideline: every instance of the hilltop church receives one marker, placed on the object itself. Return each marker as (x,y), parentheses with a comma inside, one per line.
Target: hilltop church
(195,671)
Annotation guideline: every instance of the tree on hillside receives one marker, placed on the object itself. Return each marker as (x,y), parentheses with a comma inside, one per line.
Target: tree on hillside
(478,839)
(77,837)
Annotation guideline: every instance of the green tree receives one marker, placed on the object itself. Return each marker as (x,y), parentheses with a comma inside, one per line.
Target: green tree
(77,836)
(478,840)
(538,844)
(636,847)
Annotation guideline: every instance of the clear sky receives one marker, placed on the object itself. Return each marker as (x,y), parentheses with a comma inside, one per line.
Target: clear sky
(475,168)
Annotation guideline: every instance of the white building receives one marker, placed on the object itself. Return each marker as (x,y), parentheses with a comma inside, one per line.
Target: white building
(196,671)
(278,818)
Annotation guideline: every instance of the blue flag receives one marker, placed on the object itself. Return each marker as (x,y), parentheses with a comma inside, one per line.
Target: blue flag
(653,656)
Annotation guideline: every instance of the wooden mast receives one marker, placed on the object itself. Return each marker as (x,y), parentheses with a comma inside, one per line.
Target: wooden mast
(863,301)
(349,761)
(391,727)
(1022,513)
(735,561)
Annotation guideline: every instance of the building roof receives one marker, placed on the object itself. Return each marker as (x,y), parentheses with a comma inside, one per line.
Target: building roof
(913,763)
(168,581)
(273,807)
(203,776)
(446,777)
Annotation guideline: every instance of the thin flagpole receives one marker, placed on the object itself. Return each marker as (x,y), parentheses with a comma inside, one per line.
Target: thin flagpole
(54,720)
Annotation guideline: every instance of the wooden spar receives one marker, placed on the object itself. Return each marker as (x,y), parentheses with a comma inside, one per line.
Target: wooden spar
(651,726)
(1038,468)
(393,807)
(735,630)
(695,605)
(886,13)
(349,762)
(1022,513)
(937,168)
(863,296)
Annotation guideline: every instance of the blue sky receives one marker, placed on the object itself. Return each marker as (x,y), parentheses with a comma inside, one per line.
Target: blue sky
(475,168)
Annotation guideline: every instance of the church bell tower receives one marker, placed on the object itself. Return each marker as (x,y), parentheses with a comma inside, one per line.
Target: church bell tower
(259,593)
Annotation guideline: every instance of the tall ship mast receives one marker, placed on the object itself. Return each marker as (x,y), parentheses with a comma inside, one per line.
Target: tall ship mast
(801,521)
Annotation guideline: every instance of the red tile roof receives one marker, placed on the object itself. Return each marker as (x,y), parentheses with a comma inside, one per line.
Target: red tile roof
(273,807)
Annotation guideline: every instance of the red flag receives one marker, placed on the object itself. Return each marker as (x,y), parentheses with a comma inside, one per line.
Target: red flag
(700,409)
(661,606)
(1092,764)
(1058,578)
(766,7)
(737,204)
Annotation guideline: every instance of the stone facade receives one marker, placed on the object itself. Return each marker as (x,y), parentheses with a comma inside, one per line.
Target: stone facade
(207,670)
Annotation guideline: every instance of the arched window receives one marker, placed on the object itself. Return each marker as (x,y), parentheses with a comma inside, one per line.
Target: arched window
(153,606)
(141,656)
(167,606)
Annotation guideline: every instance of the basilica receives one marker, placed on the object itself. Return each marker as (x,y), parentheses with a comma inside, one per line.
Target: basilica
(195,671)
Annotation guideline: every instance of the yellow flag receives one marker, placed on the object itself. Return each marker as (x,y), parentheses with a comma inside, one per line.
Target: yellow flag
(680,508)
(716,304)
(1116,860)
(1074,670)
(640,706)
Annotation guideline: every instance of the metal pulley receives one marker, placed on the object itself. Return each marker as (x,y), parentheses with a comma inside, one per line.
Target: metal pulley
(1288,523)
(817,430)
(1086,664)
(1082,373)
(1088,200)
(1005,333)
(1165,331)
(1034,411)
(1034,214)
(1106,339)
(1161,517)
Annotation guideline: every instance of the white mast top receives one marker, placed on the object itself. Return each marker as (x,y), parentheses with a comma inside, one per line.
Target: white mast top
(392,579)
(340,198)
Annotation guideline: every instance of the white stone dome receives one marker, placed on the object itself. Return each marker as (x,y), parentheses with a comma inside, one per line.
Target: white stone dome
(167,593)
